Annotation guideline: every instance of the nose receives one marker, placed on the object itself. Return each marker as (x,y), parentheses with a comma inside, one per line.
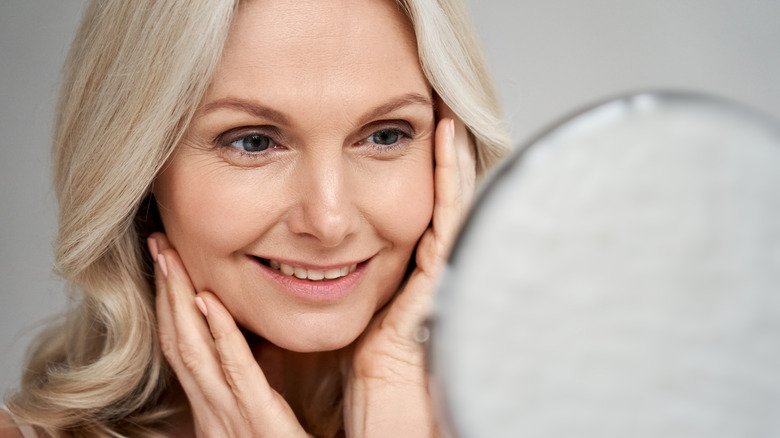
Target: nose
(325,209)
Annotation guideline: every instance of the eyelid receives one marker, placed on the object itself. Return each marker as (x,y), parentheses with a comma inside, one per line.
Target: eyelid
(400,125)
(406,134)
(232,135)
(404,128)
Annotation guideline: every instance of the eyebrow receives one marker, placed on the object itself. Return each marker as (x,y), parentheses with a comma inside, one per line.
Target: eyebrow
(247,106)
(261,111)
(397,103)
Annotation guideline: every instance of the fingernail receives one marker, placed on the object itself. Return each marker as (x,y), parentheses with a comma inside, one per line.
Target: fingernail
(451,128)
(201,306)
(163,266)
(152,242)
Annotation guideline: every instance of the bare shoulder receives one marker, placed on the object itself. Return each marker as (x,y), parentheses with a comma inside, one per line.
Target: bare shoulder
(8,429)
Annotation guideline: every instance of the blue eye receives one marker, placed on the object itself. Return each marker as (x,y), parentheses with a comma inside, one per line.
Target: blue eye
(387,137)
(253,143)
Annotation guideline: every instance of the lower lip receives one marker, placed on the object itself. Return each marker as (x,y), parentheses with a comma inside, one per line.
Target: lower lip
(321,291)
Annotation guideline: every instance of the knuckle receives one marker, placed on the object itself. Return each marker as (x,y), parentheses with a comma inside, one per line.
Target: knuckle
(173,299)
(235,375)
(220,335)
(167,346)
(226,335)
(189,355)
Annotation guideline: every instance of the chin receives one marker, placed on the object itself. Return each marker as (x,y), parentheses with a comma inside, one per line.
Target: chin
(319,342)
(311,335)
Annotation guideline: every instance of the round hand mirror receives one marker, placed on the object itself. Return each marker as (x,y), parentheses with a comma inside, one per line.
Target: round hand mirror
(620,277)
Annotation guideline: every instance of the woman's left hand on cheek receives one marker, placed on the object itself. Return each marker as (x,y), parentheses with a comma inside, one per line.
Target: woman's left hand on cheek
(387,383)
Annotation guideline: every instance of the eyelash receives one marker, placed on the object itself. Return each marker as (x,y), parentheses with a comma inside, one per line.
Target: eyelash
(227,140)
(403,138)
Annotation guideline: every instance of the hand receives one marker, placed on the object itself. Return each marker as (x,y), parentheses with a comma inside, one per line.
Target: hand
(228,392)
(387,389)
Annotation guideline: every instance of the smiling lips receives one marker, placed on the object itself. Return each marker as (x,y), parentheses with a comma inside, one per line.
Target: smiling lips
(312,274)
(313,285)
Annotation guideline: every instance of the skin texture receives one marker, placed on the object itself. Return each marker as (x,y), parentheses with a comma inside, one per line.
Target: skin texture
(321,79)
(324,196)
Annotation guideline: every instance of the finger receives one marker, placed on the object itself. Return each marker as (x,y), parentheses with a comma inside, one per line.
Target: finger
(231,346)
(467,164)
(457,187)
(412,305)
(463,141)
(215,400)
(199,369)
(195,347)
(167,336)
(165,327)
(453,188)
(158,242)
(257,401)
(448,190)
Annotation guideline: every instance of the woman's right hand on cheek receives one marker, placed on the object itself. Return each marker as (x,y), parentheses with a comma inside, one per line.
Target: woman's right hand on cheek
(228,392)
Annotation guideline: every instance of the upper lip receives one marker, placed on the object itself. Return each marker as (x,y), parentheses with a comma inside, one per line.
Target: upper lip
(305,265)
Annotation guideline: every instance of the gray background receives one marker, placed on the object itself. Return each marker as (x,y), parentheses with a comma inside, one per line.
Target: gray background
(550,57)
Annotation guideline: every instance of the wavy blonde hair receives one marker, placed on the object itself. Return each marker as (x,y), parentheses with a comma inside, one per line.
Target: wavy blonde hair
(133,79)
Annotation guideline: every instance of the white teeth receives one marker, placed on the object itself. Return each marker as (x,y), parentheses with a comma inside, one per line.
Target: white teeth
(311,274)
(333,273)
(287,270)
(316,275)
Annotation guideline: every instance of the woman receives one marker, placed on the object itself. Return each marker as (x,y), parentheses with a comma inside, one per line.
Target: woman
(296,175)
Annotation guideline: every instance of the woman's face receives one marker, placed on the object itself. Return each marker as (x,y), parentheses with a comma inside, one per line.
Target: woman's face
(306,176)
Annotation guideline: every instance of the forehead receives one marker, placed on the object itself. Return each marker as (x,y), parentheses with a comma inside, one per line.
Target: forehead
(283,49)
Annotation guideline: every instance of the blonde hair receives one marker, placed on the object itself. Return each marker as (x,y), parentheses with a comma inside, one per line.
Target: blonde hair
(133,79)
(454,65)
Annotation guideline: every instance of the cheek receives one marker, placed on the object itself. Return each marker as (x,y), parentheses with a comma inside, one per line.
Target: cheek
(404,202)
(208,213)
